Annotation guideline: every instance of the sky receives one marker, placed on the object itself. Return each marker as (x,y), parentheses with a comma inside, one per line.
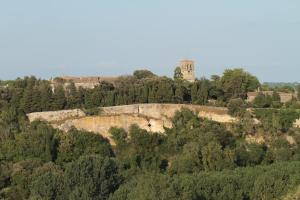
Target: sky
(115,37)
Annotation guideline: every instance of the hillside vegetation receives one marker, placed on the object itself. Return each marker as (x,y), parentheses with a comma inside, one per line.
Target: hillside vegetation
(196,159)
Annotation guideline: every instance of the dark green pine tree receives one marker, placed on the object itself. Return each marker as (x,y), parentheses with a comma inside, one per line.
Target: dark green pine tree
(59,99)
(36,100)
(72,95)
(203,92)
(27,99)
(194,92)
(110,99)
(45,97)
(143,96)
(151,96)
(179,94)
(88,100)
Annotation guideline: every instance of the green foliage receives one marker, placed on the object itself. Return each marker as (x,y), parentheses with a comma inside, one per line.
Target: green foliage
(78,143)
(92,111)
(200,91)
(298,92)
(91,177)
(120,137)
(47,186)
(267,101)
(189,161)
(236,107)
(147,187)
(178,76)
(275,120)
(267,182)
(214,159)
(236,83)
(141,74)
(250,154)
(195,159)
(36,142)
(59,98)
(34,95)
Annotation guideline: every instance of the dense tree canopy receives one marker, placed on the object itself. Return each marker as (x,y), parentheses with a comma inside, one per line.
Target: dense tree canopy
(34,95)
(236,83)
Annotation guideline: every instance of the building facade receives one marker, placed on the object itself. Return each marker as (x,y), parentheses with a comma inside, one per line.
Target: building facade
(284,97)
(187,68)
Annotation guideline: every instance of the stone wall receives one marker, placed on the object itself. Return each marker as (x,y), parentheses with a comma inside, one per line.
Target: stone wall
(56,116)
(284,97)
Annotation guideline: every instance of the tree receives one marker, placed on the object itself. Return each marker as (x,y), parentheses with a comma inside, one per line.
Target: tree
(189,161)
(149,186)
(47,182)
(59,98)
(236,107)
(141,74)
(214,159)
(37,142)
(46,96)
(78,143)
(236,83)
(72,96)
(276,100)
(178,74)
(91,177)
(27,100)
(262,101)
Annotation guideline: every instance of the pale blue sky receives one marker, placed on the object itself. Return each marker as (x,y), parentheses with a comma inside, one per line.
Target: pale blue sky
(113,37)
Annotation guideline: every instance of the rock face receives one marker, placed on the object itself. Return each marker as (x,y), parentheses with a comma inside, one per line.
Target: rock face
(56,116)
(151,117)
(297,123)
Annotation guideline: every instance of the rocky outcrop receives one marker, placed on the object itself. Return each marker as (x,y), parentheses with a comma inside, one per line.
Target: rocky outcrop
(56,116)
(167,111)
(297,123)
(151,117)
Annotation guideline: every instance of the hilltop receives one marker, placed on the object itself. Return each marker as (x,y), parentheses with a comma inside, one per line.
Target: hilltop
(144,136)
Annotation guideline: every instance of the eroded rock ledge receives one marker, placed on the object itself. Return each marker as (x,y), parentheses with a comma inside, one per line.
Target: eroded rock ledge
(151,117)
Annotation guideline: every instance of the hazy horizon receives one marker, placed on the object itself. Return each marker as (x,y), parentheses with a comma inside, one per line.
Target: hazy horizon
(110,38)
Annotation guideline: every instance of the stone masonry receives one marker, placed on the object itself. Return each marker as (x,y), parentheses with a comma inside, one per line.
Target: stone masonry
(188,70)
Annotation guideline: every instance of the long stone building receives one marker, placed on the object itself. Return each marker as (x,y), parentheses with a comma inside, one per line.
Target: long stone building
(84,81)
(284,97)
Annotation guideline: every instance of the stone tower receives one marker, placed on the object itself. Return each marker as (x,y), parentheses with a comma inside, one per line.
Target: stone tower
(188,70)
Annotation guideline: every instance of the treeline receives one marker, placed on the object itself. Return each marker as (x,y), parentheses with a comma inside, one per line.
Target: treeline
(33,95)
(196,159)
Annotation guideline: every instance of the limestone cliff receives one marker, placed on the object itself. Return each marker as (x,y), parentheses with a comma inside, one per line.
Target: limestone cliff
(152,117)
(297,123)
